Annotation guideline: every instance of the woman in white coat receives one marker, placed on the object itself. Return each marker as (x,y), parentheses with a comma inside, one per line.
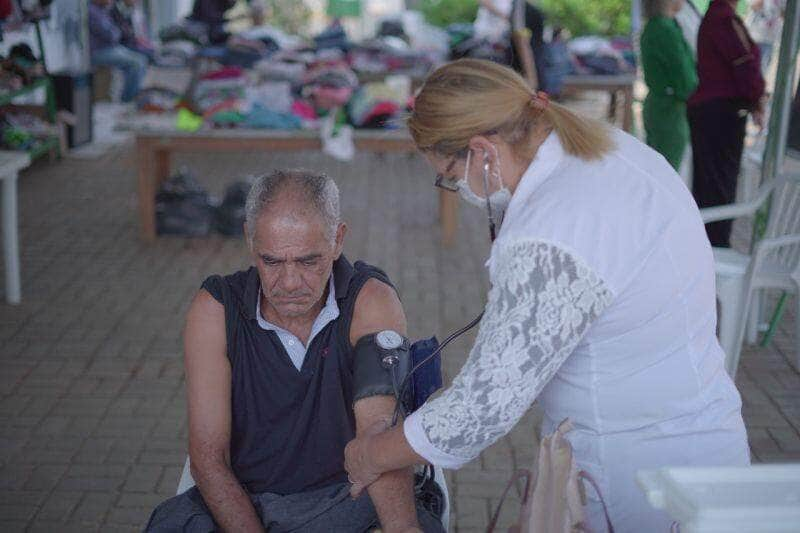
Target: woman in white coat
(602,302)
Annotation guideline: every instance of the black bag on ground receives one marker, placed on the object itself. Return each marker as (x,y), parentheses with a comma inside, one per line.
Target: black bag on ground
(183,207)
(229,216)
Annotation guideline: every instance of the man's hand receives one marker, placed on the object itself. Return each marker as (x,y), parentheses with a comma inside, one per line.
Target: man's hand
(361,471)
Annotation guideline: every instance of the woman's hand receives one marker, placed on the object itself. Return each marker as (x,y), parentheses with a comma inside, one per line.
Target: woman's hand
(360,465)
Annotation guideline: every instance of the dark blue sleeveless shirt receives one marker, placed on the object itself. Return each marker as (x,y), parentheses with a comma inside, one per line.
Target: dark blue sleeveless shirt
(289,427)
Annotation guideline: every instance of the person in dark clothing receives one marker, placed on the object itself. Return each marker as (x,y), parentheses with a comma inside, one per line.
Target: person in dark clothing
(530,19)
(730,87)
(269,355)
(212,14)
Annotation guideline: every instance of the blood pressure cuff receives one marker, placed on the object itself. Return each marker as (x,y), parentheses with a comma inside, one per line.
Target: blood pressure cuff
(378,371)
(371,377)
(427,379)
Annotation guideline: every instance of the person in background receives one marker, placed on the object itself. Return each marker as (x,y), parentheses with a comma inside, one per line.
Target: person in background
(765,23)
(134,35)
(275,361)
(107,50)
(211,13)
(529,20)
(669,71)
(730,86)
(492,20)
(601,305)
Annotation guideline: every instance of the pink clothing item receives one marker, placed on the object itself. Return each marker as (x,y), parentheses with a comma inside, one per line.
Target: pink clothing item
(225,73)
(304,110)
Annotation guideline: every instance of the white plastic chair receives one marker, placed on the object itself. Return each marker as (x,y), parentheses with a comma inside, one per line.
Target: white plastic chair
(774,263)
(187,482)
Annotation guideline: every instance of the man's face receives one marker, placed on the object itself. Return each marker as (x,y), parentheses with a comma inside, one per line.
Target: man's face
(294,256)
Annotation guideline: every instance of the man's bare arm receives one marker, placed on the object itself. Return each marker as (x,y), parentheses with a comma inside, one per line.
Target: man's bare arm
(208,385)
(378,308)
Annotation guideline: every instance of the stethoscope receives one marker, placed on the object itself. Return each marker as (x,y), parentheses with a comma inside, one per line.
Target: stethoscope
(398,407)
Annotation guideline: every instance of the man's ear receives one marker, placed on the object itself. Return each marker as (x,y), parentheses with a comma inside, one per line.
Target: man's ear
(341,231)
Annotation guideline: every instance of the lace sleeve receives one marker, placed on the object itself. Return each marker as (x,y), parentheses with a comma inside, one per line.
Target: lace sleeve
(542,301)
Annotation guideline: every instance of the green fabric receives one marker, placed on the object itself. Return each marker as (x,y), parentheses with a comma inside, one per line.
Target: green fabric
(671,77)
(188,121)
(344,8)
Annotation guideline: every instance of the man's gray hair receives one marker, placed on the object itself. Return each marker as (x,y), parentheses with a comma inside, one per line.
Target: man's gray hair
(316,190)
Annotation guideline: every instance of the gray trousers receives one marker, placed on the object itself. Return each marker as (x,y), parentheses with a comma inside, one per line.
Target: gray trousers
(330,509)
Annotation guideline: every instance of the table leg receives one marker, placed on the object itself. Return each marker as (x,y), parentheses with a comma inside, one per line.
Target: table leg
(11,239)
(448,216)
(162,166)
(627,110)
(147,189)
(612,107)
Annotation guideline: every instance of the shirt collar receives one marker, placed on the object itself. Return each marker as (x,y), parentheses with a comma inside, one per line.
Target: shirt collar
(547,158)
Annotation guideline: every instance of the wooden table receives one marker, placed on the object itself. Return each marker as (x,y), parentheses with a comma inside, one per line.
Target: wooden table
(11,162)
(620,84)
(155,146)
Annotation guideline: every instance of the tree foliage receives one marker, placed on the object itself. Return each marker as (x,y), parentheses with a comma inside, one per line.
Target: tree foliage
(596,17)
(580,17)
(291,17)
(445,12)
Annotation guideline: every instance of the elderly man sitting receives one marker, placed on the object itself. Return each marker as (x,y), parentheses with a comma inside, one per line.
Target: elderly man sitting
(275,363)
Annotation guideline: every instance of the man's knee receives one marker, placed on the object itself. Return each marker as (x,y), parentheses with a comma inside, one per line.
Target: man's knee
(131,61)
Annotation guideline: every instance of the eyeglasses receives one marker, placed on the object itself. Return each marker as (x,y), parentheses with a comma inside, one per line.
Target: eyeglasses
(448,184)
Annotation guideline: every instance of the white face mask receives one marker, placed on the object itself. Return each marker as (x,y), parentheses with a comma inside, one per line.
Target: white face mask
(498,200)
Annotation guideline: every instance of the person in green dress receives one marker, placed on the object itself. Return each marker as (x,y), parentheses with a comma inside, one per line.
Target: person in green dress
(671,77)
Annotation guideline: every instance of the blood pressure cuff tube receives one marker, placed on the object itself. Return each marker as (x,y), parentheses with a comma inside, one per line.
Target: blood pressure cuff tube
(378,371)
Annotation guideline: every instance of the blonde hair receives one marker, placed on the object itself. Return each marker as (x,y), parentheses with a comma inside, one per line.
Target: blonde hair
(472,97)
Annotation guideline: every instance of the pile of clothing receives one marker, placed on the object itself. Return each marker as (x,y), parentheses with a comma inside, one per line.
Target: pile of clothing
(602,56)
(389,54)
(380,104)
(24,131)
(219,95)
(20,68)
(296,90)
(289,83)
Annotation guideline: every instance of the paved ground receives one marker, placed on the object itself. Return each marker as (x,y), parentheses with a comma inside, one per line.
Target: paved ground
(92,409)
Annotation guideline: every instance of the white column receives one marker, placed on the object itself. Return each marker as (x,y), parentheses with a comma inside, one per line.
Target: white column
(10,238)
(636,17)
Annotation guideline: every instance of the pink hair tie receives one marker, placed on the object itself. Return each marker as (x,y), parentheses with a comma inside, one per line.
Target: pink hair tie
(540,100)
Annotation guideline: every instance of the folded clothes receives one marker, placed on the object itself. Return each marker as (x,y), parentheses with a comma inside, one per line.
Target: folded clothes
(262,118)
